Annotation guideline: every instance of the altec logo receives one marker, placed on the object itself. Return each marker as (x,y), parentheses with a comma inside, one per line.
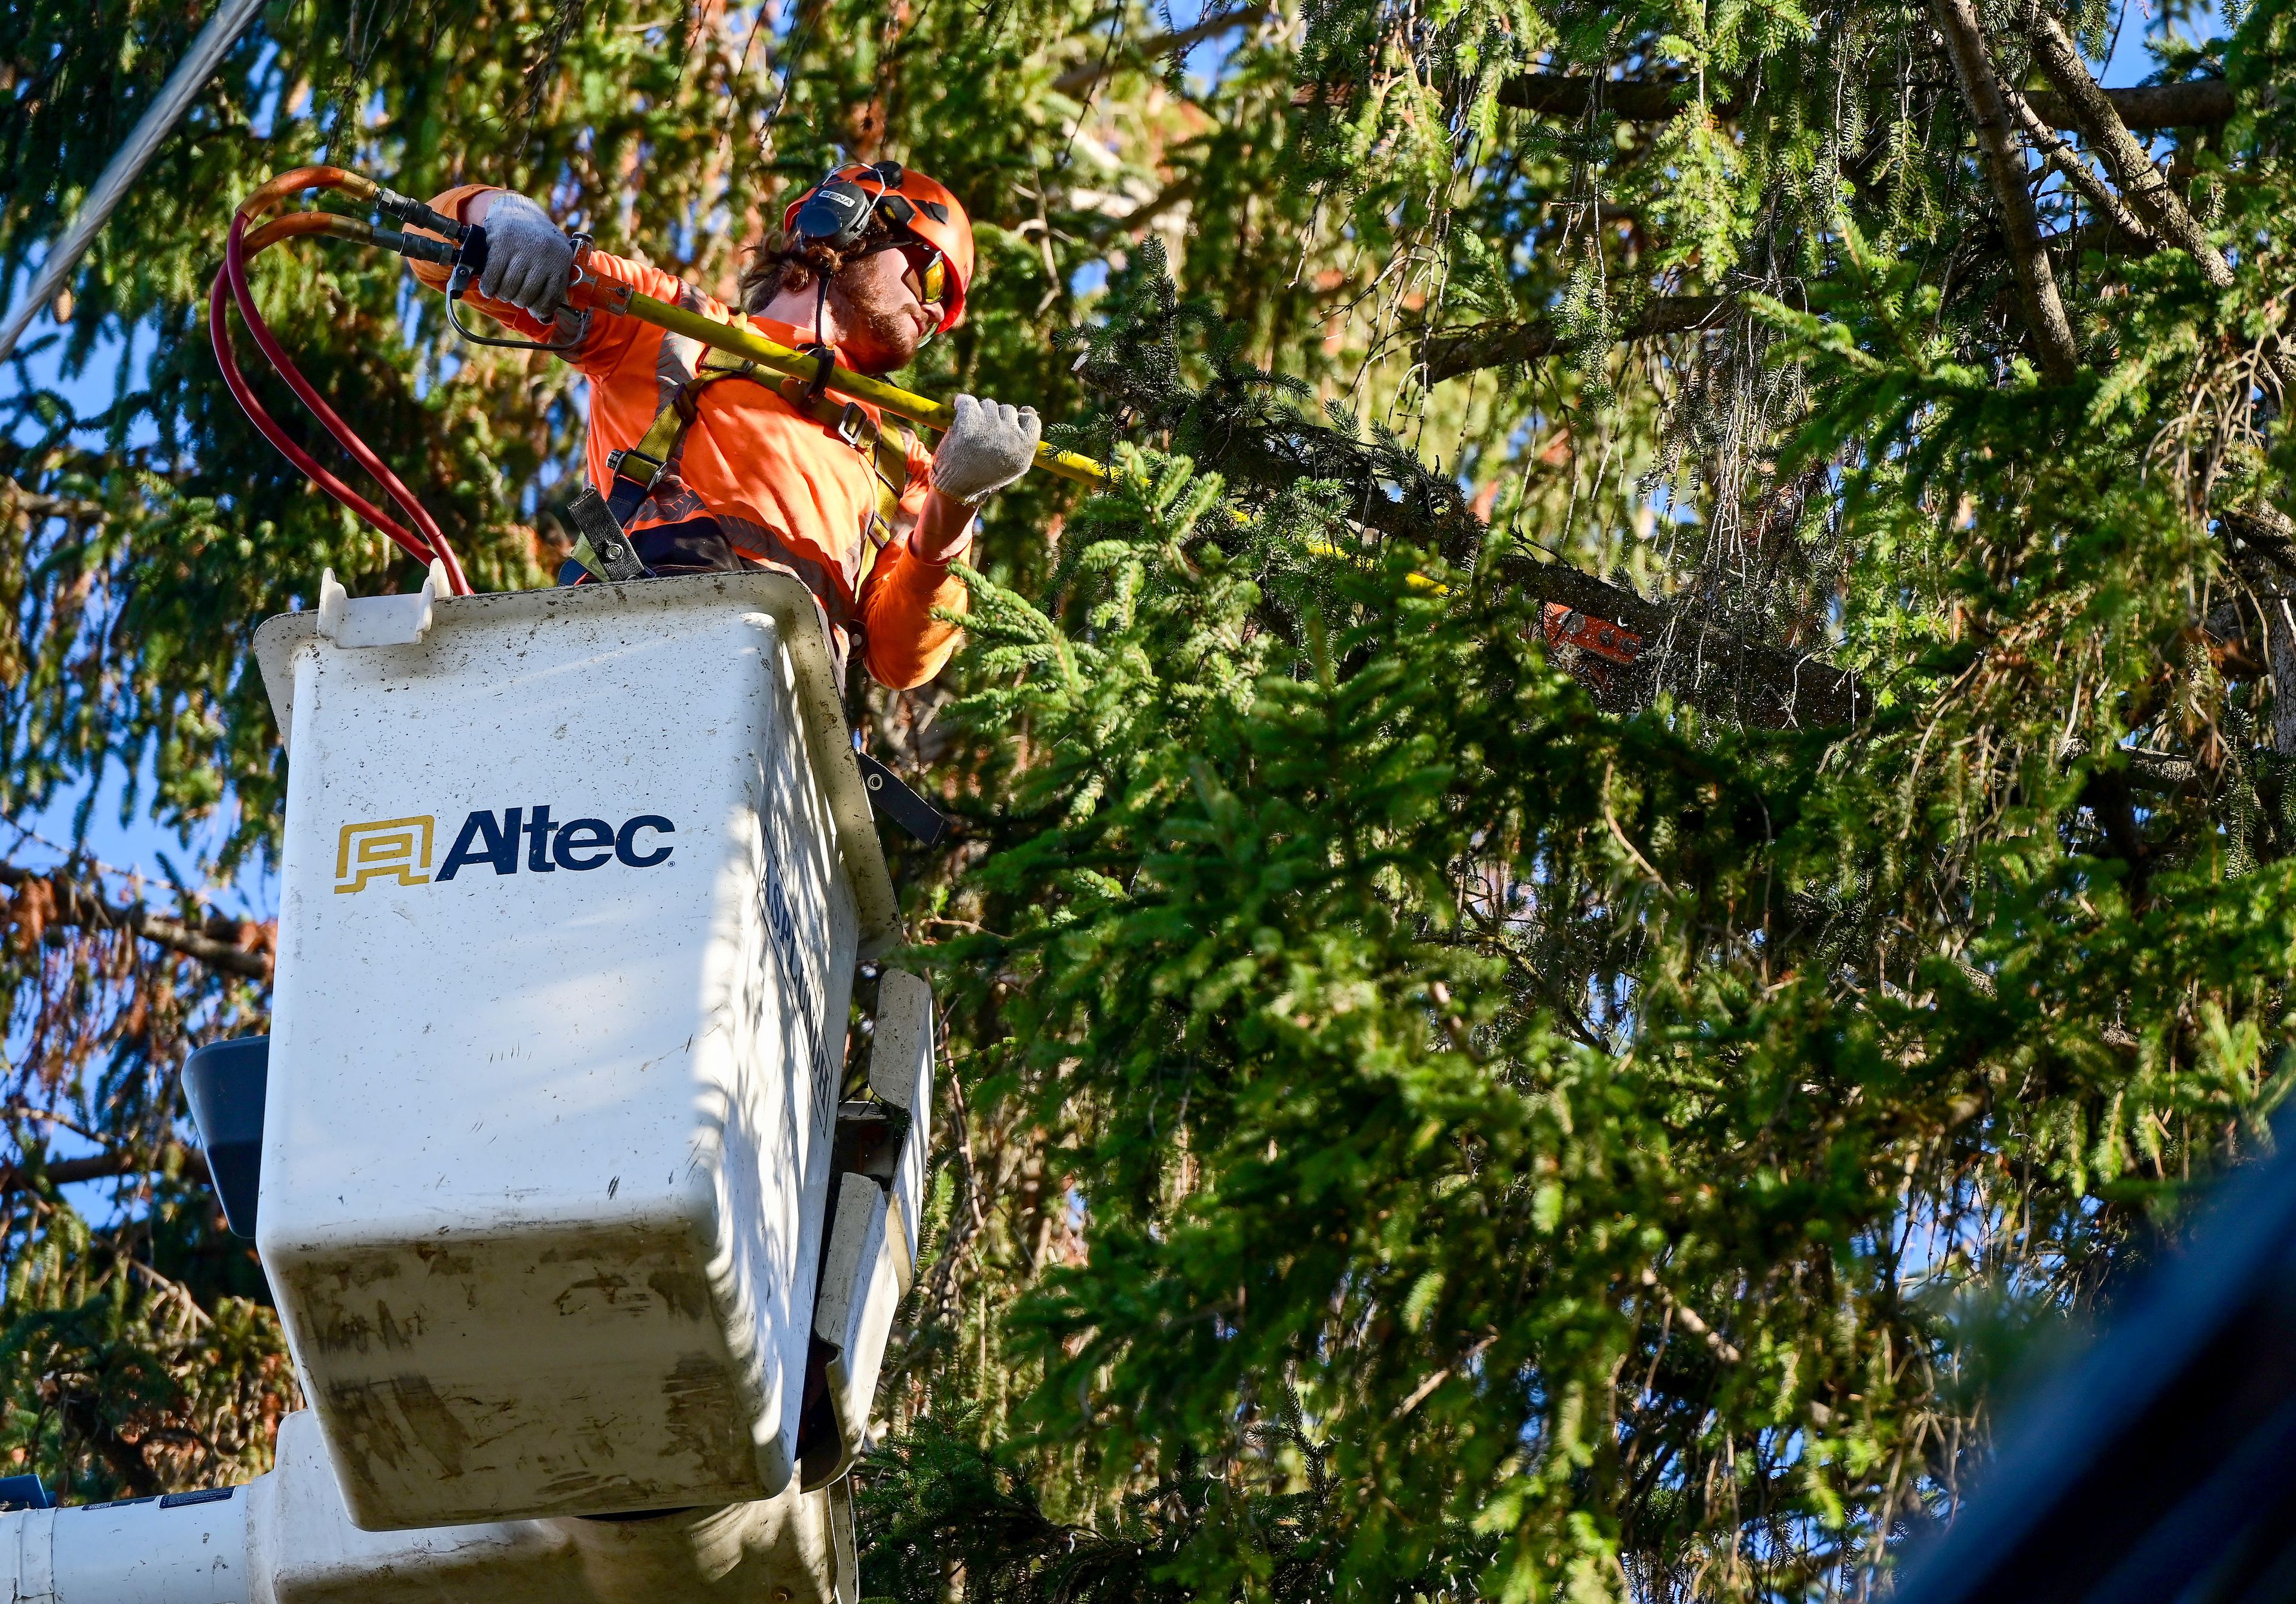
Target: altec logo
(399,849)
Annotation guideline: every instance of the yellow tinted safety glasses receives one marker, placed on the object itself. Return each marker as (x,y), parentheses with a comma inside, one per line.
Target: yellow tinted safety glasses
(928,275)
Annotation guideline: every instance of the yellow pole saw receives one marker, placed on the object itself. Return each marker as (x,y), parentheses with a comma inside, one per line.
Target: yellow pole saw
(738,338)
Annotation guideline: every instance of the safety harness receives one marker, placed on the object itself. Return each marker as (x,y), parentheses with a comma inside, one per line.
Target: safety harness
(602,545)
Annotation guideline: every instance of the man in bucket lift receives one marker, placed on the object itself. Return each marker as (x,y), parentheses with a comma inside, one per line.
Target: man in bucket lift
(713,464)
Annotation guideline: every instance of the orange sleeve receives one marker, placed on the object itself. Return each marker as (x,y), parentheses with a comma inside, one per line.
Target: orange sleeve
(913,499)
(907,646)
(609,338)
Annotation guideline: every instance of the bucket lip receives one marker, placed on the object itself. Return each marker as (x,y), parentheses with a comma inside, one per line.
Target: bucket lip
(797,618)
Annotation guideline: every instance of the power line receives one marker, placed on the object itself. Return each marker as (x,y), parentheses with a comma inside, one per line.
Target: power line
(191,74)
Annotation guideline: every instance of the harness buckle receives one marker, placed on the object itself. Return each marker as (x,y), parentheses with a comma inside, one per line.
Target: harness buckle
(854,428)
(616,458)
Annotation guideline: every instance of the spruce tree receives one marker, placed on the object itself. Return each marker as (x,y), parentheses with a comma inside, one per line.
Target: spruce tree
(1652,822)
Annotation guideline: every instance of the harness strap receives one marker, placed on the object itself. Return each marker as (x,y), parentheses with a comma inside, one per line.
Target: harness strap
(638,469)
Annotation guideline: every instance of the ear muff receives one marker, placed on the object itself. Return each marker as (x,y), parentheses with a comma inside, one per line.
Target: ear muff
(834,215)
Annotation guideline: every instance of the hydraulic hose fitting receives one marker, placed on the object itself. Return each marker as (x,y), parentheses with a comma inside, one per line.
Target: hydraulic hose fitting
(407,209)
(421,247)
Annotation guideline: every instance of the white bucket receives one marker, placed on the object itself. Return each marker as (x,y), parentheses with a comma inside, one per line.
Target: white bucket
(573,888)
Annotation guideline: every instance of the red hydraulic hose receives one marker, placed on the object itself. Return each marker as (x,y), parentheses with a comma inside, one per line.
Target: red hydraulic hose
(235,258)
(242,392)
(426,541)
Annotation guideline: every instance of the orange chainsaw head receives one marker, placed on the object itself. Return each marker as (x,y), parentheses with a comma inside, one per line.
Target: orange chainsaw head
(929,224)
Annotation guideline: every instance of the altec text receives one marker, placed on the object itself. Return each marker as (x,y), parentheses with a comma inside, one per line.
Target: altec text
(516,838)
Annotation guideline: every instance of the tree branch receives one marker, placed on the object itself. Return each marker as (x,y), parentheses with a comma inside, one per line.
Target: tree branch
(2148,191)
(96,1167)
(33,504)
(235,945)
(1182,188)
(2266,529)
(2066,160)
(1079,80)
(2199,103)
(2028,253)
(1456,351)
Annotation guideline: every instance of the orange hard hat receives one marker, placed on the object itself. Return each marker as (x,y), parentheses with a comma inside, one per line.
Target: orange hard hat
(917,207)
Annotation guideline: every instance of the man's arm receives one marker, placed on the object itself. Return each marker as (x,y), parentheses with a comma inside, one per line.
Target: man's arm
(944,531)
(988,447)
(906,645)
(609,338)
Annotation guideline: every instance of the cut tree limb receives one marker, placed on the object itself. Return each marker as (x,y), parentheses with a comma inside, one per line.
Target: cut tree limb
(2029,252)
(2201,103)
(1686,649)
(1456,351)
(2147,190)
(235,945)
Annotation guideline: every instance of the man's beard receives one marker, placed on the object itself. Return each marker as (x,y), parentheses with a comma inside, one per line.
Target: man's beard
(879,334)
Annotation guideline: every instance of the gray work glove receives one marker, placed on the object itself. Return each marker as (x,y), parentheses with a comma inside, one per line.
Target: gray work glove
(986,448)
(529,261)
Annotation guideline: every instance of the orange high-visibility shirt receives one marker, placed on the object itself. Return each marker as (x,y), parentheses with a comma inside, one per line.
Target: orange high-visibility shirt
(787,491)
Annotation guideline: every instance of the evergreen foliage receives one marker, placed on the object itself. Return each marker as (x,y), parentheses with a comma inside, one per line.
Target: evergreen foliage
(1439,1104)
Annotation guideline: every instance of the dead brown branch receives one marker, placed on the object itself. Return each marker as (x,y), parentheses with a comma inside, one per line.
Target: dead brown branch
(237,946)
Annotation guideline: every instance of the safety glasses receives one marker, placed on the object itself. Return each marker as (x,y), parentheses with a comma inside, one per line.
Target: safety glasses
(927,275)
